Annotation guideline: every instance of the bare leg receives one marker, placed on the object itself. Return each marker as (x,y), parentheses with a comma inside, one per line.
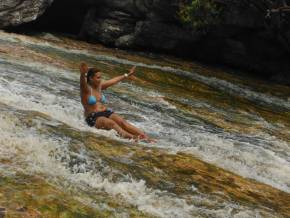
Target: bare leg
(125,125)
(108,124)
(130,128)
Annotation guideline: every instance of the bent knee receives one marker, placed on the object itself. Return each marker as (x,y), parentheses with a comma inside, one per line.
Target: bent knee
(123,123)
(113,125)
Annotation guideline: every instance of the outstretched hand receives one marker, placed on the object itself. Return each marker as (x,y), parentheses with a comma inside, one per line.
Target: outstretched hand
(84,68)
(132,71)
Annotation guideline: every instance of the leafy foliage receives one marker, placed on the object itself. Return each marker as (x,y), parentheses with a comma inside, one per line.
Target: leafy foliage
(200,13)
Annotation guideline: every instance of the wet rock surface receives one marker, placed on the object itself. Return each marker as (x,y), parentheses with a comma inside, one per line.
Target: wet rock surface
(68,167)
(248,37)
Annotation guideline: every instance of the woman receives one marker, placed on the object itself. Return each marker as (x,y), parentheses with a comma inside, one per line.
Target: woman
(96,113)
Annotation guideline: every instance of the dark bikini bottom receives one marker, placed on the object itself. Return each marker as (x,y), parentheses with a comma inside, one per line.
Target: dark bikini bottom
(92,118)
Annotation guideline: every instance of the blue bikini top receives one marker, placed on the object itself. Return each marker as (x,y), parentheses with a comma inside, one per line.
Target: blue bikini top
(92,100)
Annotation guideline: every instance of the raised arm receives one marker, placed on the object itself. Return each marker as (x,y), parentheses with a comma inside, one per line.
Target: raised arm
(118,79)
(83,80)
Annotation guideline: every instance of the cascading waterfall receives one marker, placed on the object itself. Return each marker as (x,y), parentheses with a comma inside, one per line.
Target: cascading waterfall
(238,127)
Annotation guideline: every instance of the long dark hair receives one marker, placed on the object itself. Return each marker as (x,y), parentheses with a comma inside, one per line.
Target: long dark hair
(91,73)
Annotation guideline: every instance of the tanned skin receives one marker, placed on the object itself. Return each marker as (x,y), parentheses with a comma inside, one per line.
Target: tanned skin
(115,121)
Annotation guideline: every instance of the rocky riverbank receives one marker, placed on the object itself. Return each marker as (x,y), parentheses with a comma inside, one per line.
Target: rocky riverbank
(245,38)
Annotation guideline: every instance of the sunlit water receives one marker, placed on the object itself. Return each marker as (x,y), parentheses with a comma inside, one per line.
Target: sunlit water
(222,120)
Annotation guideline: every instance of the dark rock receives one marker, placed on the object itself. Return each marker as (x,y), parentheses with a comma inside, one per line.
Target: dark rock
(248,36)
(2,212)
(244,39)
(64,16)
(241,40)
(21,209)
(14,12)
(126,41)
(140,24)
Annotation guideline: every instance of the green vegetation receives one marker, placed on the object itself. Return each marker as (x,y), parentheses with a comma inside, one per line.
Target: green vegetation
(200,14)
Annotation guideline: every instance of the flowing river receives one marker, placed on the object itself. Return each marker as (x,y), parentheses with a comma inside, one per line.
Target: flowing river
(222,150)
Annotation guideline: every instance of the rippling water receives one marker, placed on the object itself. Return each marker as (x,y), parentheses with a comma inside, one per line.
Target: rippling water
(220,119)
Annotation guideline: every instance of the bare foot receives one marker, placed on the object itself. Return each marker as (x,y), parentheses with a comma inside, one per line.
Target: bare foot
(151,140)
(136,138)
(147,139)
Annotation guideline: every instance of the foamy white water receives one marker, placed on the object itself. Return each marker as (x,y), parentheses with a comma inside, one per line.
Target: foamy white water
(33,153)
(230,88)
(54,92)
